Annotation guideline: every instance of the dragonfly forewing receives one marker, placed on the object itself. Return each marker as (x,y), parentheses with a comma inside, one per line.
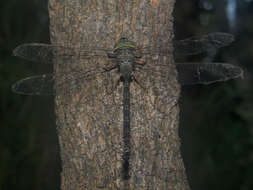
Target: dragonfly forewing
(208,42)
(47,53)
(190,46)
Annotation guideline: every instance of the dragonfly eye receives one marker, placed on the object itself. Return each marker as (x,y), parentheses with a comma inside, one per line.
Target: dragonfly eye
(123,39)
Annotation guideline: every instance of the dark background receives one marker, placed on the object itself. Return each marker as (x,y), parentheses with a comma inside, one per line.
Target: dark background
(216,120)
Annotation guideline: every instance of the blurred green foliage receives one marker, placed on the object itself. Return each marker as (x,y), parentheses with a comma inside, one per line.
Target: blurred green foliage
(215,124)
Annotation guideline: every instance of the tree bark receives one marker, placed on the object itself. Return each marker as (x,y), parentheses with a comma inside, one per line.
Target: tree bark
(89,119)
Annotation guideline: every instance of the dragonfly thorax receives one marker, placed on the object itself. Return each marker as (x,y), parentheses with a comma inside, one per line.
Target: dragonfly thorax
(126,67)
(124,50)
(124,44)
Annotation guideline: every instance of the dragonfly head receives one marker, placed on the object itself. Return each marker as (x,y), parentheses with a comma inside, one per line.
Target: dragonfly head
(123,39)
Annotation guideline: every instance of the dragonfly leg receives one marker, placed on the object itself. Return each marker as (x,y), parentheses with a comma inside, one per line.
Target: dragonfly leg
(111,55)
(116,83)
(111,66)
(138,82)
(138,53)
(139,62)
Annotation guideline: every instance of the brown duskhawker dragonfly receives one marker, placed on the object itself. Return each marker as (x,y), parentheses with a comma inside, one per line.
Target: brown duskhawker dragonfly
(127,59)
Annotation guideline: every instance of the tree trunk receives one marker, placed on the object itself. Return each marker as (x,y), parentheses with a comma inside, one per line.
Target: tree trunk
(90,118)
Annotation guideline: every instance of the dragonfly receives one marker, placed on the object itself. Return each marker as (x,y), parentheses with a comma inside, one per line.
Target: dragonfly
(127,59)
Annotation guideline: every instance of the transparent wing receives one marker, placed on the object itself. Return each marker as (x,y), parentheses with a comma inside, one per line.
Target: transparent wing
(199,73)
(194,45)
(44,84)
(46,53)
(191,46)
(207,73)
(188,74)
(35,85)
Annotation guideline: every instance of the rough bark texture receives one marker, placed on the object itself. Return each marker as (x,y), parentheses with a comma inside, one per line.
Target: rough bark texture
(89,119)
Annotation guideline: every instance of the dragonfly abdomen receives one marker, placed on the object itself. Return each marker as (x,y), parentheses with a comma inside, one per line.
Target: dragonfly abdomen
(126,130)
